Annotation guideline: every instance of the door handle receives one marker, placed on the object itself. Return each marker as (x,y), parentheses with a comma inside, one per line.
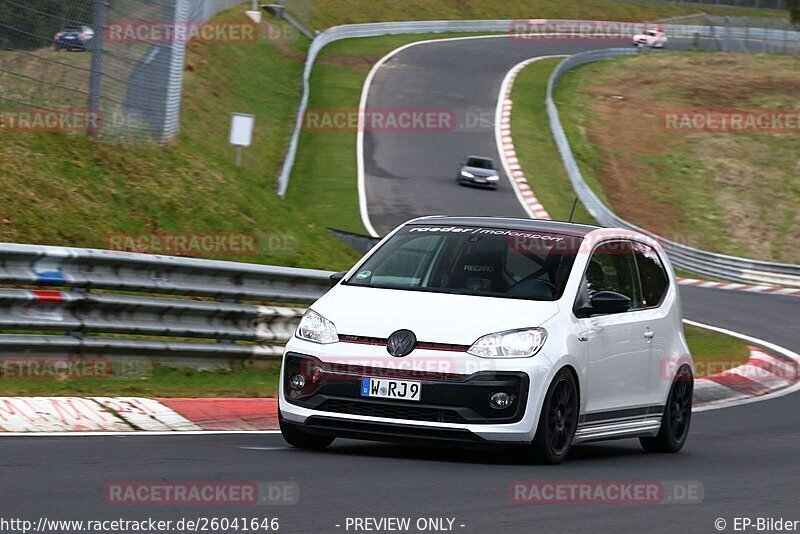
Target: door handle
(586,334)
(648,335)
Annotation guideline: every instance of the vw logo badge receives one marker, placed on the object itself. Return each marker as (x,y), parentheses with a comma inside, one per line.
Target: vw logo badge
(401,343)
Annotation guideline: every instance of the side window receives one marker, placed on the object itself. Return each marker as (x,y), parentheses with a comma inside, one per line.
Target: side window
(651,271)
(613,268)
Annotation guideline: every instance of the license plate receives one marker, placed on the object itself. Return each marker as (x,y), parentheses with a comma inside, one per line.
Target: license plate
(386,388)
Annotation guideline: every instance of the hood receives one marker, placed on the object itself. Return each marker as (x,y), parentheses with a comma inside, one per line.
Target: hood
(478,171)
(433,317)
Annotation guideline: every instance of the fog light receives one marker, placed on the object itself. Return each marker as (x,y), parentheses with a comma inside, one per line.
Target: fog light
(297,382)
(500,400)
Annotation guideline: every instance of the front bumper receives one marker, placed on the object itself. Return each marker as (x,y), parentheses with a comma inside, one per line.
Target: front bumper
(447,398)
(72,43)
(454,404)
(478,182)
(391,432)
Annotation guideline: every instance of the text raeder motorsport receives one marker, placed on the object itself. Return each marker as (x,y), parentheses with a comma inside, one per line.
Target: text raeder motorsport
(484,231)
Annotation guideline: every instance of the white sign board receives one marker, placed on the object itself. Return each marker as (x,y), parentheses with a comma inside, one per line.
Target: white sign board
(242,129)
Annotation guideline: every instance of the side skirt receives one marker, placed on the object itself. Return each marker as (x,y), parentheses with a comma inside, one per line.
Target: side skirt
(630,423)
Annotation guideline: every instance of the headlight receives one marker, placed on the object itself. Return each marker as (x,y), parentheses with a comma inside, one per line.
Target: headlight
(522,343)
(493,177)
(316,328)
(467,174)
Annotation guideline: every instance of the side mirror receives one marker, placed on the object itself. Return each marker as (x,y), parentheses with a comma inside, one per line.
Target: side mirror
(335,278)
(605,302)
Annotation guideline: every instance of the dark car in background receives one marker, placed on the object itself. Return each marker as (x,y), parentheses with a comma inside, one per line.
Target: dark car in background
(74,38)
(478,171)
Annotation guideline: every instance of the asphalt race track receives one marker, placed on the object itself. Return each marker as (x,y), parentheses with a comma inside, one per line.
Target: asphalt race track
(745,457)
(412,173)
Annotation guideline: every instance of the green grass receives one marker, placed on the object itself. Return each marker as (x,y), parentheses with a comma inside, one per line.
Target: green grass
(326,13)
(62,189)
(733,193)
(713,352)
(324,179)
(545,172)
(161,381)
(324,175)
(63,76)
(575,123)
(535,147)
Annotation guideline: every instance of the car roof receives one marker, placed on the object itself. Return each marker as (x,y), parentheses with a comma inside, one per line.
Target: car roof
(510,223)
(479,157)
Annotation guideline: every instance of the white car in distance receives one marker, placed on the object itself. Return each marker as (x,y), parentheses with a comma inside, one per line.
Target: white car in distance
(651,38)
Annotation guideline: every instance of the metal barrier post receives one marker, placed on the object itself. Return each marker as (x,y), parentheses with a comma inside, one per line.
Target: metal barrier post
(100,14)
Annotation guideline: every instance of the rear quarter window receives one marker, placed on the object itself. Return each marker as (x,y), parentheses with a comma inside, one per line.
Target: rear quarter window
(655,280)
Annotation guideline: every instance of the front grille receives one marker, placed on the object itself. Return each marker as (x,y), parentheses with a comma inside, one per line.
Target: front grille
(391,411)
(381,342)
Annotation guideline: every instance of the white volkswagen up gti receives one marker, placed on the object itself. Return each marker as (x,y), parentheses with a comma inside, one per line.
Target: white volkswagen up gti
(494,330)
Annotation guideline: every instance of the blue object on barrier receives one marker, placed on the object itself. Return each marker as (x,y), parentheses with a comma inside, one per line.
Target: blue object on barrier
(50,276)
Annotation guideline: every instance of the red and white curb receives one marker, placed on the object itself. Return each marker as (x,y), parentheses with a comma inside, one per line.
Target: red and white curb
(760,375)
(505,144)
(135,414)
(769,290)
(771,371)
(763,375)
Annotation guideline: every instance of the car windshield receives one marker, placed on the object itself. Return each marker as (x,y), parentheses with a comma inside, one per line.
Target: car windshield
(651,33)
(72,30)
(480,163)
(466,260)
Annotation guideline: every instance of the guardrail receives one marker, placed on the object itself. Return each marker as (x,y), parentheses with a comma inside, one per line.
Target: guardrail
(350,31)
(74,301)
(690,259)
(85,303)
(72,305)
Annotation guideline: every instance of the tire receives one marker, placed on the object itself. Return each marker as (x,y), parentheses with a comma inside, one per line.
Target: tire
(302,440)
(677,416)
(557,421)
